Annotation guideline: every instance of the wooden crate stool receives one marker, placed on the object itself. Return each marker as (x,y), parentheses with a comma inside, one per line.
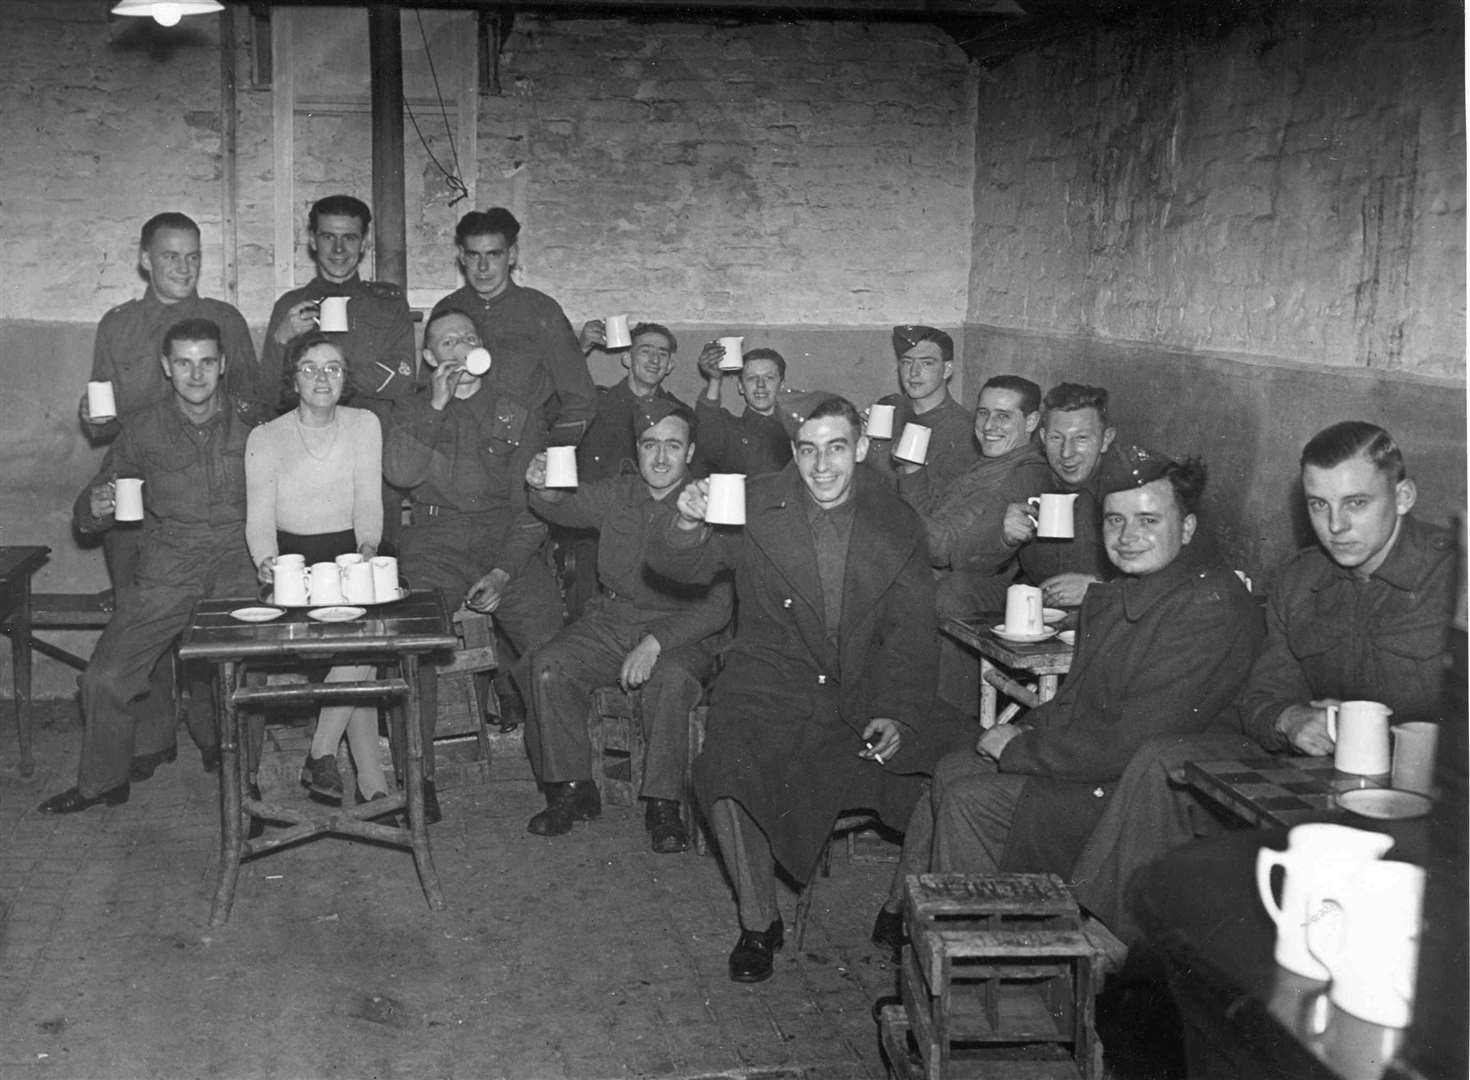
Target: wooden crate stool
(460,735)
(615,730)
(998,972)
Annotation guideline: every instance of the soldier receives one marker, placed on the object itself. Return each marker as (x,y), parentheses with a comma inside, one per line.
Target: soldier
(536,354)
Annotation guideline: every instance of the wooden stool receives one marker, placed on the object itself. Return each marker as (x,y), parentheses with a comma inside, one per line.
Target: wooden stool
(460,735)
(998,959)
(615,732)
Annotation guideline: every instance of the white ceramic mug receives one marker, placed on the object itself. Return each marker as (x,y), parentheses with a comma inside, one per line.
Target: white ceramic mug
(1359,730)
(734,358)
(615,331)
(331,314)
(1364,929)
(725,504)
(1054,517)
(288,581)
(324,583)
(101,403)
(1023,610)
(127,498)
(561,466)
(1317,855)
(386,586)
(1414,746)
(880,422)
(357,582)
(477,360)
(913,444)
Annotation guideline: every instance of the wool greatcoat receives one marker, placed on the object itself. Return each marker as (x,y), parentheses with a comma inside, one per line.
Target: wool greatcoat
(789,706)
(1161,654)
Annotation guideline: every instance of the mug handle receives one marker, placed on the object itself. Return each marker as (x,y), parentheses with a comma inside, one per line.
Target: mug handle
(1035,503)
(1268,859)
(1331,711)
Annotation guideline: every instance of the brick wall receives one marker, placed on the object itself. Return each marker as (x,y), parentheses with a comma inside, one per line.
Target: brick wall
(1293,189)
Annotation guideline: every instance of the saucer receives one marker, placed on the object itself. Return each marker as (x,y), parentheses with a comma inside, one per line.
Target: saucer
(1385,804)
(339,613)
(1068,636)
(1023,639)
(1050,615)
(257,614)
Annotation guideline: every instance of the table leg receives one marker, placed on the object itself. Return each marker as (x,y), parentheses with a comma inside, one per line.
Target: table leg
(1046,686)
(233,766)
(20,655)
(413,778)
(987,696)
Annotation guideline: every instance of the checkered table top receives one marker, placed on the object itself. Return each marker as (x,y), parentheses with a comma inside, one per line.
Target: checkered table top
(1274,791)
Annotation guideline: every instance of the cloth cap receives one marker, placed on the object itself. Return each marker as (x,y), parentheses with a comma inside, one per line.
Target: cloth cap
(1141,466)
(907,336)
(651,410)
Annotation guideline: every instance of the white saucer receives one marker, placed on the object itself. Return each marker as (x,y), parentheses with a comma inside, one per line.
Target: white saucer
(1385,804)
(1023,639)
(1051,615)
(257,614)
(1068,636)
(340,613)
(268,597)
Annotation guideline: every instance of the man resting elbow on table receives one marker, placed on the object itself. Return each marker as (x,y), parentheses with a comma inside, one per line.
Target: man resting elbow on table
(1361,615)
(1164,647)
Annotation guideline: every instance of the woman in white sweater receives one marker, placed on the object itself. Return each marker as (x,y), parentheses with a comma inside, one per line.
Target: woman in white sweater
(314,488)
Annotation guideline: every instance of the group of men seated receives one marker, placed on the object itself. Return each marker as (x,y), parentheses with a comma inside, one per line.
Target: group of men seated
(812,629)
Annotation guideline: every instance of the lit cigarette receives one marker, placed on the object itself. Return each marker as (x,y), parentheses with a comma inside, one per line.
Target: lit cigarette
(878,757)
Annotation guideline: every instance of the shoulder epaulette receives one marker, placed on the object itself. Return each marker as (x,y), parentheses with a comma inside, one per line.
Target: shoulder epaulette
(384,290)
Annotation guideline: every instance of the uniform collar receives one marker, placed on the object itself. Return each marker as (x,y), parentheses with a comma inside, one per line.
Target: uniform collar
(1404,567)
(1142,593)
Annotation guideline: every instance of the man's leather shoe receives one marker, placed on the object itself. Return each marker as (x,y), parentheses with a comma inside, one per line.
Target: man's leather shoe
(432,814)
(72,800)
(566,802)
(143,766)
(256,828)
(512,710)
(751,959)
(665,828)
(888,932)
(209,758)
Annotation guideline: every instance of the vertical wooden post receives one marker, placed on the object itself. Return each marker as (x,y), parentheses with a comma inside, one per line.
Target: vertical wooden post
(385,53)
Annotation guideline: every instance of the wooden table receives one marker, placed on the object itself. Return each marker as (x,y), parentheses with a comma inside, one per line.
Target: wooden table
(17,566)
(1244,1016)
(1046,660)
(398,634)
(1275,791)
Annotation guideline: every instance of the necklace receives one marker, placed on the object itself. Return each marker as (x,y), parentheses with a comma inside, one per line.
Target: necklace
(331,442)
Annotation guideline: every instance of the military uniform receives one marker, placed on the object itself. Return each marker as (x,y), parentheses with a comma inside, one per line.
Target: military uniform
(129,346)
(952,445)
(193,544)
(751,443)
(1331,635)
(632,604)
(464,468)
(1162,653)
(378,344)
(535,356)
(1328,635)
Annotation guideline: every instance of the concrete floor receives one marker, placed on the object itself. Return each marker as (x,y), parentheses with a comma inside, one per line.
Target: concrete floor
(583,956)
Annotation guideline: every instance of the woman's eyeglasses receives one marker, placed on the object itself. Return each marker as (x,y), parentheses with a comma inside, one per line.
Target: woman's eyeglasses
(313,371)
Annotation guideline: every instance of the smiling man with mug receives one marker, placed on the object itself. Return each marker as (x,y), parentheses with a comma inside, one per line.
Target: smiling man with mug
(925,365)
(641,632)
(189,451)
(1161,649)
(378,338)
(826,689)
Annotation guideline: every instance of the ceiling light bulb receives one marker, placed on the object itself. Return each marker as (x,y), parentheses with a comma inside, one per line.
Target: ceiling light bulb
(167,15)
